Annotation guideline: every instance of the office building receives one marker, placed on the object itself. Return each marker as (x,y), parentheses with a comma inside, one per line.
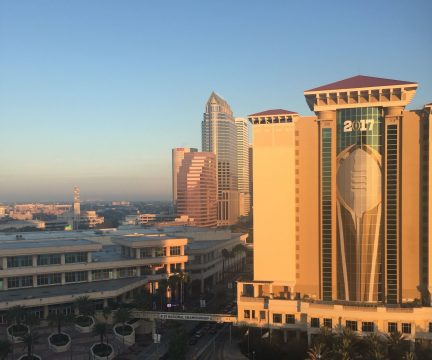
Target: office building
(341,207)
(219,136)
(242,126)
(197,189)
(76,208)
(177,158)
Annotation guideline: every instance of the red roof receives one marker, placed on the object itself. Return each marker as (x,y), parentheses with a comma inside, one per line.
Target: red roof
(360,81)
(274,112)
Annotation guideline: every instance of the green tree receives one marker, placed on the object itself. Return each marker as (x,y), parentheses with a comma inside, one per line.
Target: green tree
(177,347)
(59,318)
(375,347)
(106,312)
(346,345)
(5,349)
(143,300)
(318,351)
(101,330)
(16,315)
(397,345)
(225,255)
(29,340)
(84,306)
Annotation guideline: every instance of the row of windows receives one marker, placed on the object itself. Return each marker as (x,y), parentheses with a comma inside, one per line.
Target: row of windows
(78,257)
(366,326)
(46,259)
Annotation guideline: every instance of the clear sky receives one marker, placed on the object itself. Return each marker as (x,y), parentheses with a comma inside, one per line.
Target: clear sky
(97,92)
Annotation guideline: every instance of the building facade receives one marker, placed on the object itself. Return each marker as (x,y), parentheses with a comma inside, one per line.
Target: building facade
(197,189)
(219,136)
(341,207)
(177,158)
(242,126)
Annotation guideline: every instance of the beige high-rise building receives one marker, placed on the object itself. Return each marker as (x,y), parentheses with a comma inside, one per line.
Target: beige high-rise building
(242,126)
(196,189)
(219,136)
(177,158)
(341,213)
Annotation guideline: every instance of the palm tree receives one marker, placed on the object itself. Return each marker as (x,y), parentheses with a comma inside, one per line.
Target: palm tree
(122,316)
(161,290)
(106,312)
(101,329)
(225,255)
(396,345)
(16,314)
(29,340)
(143,300)
(239,249)
(376,347)
(326,337)
(346,345)
(59,318)
(318,351)
(84,306)
(5,349)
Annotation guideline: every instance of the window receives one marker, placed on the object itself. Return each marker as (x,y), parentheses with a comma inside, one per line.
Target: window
(145,253)
(430,327)
(315,322)
(104,274)
(127,272)
(20,281)
(392,327)
(247,314)
(351,325)
(48,279)
(290,318)
(262,315)
(368,326)
(328,323)
(277,318)
(76,276)
(175,250)
(19,261)
(253,314)
(48,259)
(406,328)
(160,251)
(72,258)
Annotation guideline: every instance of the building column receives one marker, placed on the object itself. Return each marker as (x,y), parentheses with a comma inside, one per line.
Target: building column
(45,311)
(63,280)
(4,262)
(34,260)
(34,280)
(105,303)
(138,253)
(89,257)
(62,259)
(89,276)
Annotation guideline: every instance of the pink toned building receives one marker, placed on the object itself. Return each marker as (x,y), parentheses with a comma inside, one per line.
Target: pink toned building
(197,189)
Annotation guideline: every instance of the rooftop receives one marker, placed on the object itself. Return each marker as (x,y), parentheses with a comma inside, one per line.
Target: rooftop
(75,290)
(274,112)
(26,244)
(360,81)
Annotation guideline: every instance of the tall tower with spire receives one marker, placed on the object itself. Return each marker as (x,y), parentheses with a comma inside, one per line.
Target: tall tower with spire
(219,136)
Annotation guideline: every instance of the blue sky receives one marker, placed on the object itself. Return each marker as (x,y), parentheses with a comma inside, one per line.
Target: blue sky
(97,92)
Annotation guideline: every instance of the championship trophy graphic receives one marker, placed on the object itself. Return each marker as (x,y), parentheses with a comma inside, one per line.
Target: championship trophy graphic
(358,208)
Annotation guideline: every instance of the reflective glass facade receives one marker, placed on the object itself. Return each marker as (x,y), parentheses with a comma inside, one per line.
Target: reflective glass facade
(326,212)
(359,143)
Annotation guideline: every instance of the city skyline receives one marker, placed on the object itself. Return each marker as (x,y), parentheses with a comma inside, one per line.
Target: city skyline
(96,96)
